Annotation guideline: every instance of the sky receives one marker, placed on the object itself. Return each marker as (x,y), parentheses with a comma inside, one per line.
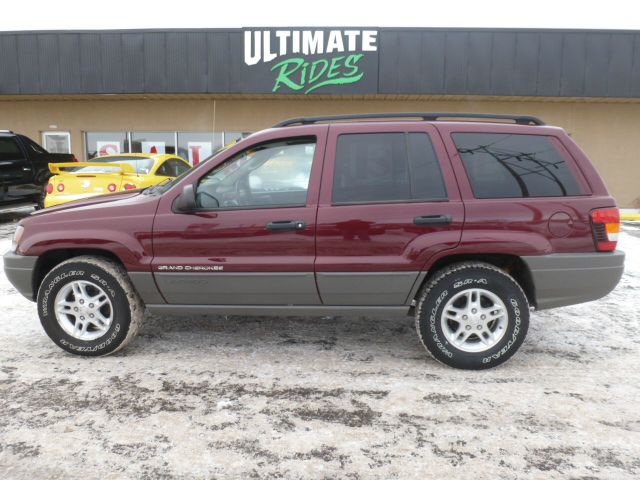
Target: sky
(131,14)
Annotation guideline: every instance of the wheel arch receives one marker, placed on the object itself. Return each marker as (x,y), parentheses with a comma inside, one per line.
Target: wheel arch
(51,258)
(511,264)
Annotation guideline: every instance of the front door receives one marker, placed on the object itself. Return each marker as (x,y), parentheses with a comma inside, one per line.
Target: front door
(252,239)
(389,202)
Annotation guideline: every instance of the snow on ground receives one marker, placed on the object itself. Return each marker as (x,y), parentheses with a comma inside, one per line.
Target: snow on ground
(324,397)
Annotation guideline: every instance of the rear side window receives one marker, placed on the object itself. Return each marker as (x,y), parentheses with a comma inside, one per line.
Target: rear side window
(386,167)
(9,149)
(515,165)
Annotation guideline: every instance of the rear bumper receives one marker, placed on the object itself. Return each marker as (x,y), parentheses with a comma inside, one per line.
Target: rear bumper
(19,270)
(568,278)
(55,200)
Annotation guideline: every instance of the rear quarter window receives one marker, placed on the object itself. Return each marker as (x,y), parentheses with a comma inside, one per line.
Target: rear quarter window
(515,166)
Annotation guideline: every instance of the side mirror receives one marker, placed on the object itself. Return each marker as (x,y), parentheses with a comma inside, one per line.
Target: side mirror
(186,201)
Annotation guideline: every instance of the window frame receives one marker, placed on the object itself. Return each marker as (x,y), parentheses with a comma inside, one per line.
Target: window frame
(553,140)
(312,138)
(51,133)
(405,133)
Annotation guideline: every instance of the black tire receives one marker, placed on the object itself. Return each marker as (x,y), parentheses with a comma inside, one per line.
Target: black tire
(452,281)
(125,307)
(41,197)
(42,180)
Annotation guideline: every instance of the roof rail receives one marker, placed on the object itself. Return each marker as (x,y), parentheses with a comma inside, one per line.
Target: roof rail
(5,131)
(428,116)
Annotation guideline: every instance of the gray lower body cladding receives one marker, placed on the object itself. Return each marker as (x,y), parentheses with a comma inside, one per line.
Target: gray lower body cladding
(562,279)
(285,288)
(368,288)
(273,288)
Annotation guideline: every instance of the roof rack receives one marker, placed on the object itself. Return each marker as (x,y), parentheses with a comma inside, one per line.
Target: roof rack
(427,116)
(5,131)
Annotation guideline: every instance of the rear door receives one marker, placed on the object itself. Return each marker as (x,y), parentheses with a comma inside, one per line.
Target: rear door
(389,201)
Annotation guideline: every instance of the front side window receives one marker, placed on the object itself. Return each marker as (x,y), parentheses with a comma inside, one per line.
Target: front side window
(271,174)
(515,165)
(386,167)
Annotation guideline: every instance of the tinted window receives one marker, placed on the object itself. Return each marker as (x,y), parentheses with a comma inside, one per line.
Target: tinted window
(274,174)
(9,148)
(507,166)
(386,167)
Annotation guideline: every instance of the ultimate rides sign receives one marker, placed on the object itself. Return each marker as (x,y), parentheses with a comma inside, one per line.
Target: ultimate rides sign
(313,61)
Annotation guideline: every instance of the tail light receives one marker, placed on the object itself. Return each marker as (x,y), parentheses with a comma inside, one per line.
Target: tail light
(50,188)
(73,158)
(61,187)
(605,223)
(112,187)
(129,186)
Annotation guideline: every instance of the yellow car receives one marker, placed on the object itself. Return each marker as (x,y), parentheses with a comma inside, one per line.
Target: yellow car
(109,174)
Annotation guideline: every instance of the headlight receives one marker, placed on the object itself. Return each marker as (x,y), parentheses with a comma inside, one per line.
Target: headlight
(17,236)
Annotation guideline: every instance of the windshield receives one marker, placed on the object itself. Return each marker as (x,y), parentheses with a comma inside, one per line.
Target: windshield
(142,165)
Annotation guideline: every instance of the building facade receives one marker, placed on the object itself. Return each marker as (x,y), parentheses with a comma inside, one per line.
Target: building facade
(191,91)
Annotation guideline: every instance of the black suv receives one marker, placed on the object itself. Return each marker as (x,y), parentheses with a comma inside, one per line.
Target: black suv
(24,167)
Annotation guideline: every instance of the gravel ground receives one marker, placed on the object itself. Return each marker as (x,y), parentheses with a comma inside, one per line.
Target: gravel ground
(242,397)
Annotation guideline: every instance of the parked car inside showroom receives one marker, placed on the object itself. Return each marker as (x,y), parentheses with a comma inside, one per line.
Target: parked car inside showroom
(110,174)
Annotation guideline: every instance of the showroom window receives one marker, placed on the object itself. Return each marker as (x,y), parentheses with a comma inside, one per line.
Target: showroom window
(106,143)
(153,142)
(192,146)
(196,146)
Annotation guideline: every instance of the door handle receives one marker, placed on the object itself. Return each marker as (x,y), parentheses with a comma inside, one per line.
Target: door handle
(284,225)
(433,220)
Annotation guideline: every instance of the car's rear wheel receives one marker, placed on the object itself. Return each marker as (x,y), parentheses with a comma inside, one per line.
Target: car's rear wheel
(41,196)
(88,306)
(472,315)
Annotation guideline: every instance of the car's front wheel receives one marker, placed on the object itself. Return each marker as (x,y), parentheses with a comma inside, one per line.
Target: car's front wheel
(472,315)
(88,306)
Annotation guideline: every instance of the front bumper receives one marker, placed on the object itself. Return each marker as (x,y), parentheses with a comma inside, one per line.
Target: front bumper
(19,270)
(562,279)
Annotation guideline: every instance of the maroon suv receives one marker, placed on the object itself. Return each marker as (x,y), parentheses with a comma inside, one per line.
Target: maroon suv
(465,221)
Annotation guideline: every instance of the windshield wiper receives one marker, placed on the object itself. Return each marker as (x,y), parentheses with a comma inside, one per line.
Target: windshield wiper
(153,189)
